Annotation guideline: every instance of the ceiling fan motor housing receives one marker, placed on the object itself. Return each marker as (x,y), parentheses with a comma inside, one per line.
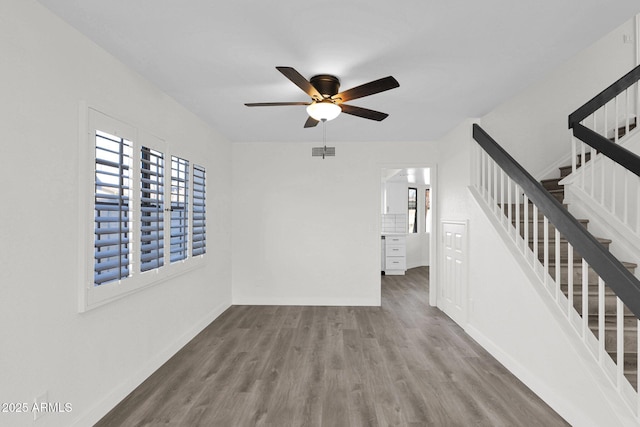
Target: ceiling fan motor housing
(326,84)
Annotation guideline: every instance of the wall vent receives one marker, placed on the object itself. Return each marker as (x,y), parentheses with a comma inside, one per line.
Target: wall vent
(323,151)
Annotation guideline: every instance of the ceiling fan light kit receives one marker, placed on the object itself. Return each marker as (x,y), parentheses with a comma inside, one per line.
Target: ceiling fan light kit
(323,110)
(326,102)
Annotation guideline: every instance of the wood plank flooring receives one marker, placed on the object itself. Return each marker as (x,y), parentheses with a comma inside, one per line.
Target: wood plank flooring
(402,364)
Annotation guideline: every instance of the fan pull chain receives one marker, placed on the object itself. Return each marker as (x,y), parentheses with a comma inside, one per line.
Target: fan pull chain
(324,137)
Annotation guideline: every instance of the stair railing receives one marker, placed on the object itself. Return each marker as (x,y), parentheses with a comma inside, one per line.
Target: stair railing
(610,177)
(567,260)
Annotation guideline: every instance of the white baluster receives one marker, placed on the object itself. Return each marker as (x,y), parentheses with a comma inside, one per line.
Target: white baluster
(483,171)
(615,124)
(569,280)
(574,154)
(585,299)
(603,183)
(638,216)
(614,187)
(620,340)
(638,363)
(487,177)
(525,207)
(583,156)
(592,169)
(545,248)
(558,263)
(601,317)
(606,119)
(625,200)
(626,111)
(535,224)
(502,205)
(509,207)
(495,187)
(635,113)
(517,204)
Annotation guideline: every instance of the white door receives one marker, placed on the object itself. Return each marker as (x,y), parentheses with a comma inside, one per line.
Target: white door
(453,284)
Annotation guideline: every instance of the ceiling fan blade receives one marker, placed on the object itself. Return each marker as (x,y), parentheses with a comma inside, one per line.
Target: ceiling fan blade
(274,104)
(367,89)
(300,81)
(311,122)
(363,112)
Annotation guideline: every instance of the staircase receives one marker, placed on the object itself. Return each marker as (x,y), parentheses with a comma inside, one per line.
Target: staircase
(610,301)
(588,289)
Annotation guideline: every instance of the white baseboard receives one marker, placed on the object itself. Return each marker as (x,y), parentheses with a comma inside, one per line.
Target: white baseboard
(101,408)
(322,302)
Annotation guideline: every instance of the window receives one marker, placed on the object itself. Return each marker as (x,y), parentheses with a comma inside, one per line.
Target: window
(199,245)
(151,209)
(179,208)
(137,190)
(112,223)
(427,213)
(413,210)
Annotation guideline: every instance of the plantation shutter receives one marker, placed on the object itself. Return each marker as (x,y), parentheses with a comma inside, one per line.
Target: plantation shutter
(179,208)
(199,212)
(151,209)
(112,211)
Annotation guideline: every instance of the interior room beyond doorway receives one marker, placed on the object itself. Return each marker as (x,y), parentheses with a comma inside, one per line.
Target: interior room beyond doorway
(405,213)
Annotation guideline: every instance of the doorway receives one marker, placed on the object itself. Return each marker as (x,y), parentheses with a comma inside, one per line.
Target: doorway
(407,232)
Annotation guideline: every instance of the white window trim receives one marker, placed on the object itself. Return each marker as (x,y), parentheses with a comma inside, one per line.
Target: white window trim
(90,296)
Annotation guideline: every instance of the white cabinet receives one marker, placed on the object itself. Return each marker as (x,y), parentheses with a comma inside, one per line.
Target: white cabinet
(395,254)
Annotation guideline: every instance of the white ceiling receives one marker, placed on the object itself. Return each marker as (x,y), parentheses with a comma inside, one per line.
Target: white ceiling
(453,58)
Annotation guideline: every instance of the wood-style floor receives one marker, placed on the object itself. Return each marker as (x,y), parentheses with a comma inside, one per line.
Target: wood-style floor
(402,364)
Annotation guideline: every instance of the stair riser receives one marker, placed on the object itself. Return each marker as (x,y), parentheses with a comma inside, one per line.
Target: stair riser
(563,251)
(551,184)
(592,277)
(540,226)
(559,196)
(566,171)
(610,340)
(505,209)
(610,306)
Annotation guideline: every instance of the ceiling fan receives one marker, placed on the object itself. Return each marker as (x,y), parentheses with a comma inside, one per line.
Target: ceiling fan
(326,102)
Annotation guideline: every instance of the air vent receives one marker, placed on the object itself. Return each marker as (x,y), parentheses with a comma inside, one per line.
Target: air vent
(323,152)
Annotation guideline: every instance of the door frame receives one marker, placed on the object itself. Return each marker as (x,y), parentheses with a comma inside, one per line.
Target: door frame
(435,232)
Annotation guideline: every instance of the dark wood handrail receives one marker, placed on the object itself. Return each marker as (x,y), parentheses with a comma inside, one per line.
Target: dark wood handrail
(615,152)
(625,285)
(605,96)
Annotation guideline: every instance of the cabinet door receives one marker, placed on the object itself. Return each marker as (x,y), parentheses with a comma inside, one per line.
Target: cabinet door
(395,240)
(395,263)
(396,250)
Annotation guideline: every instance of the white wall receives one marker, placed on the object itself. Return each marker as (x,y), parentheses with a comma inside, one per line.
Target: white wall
(91,360)
(532,125)
(307,230)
